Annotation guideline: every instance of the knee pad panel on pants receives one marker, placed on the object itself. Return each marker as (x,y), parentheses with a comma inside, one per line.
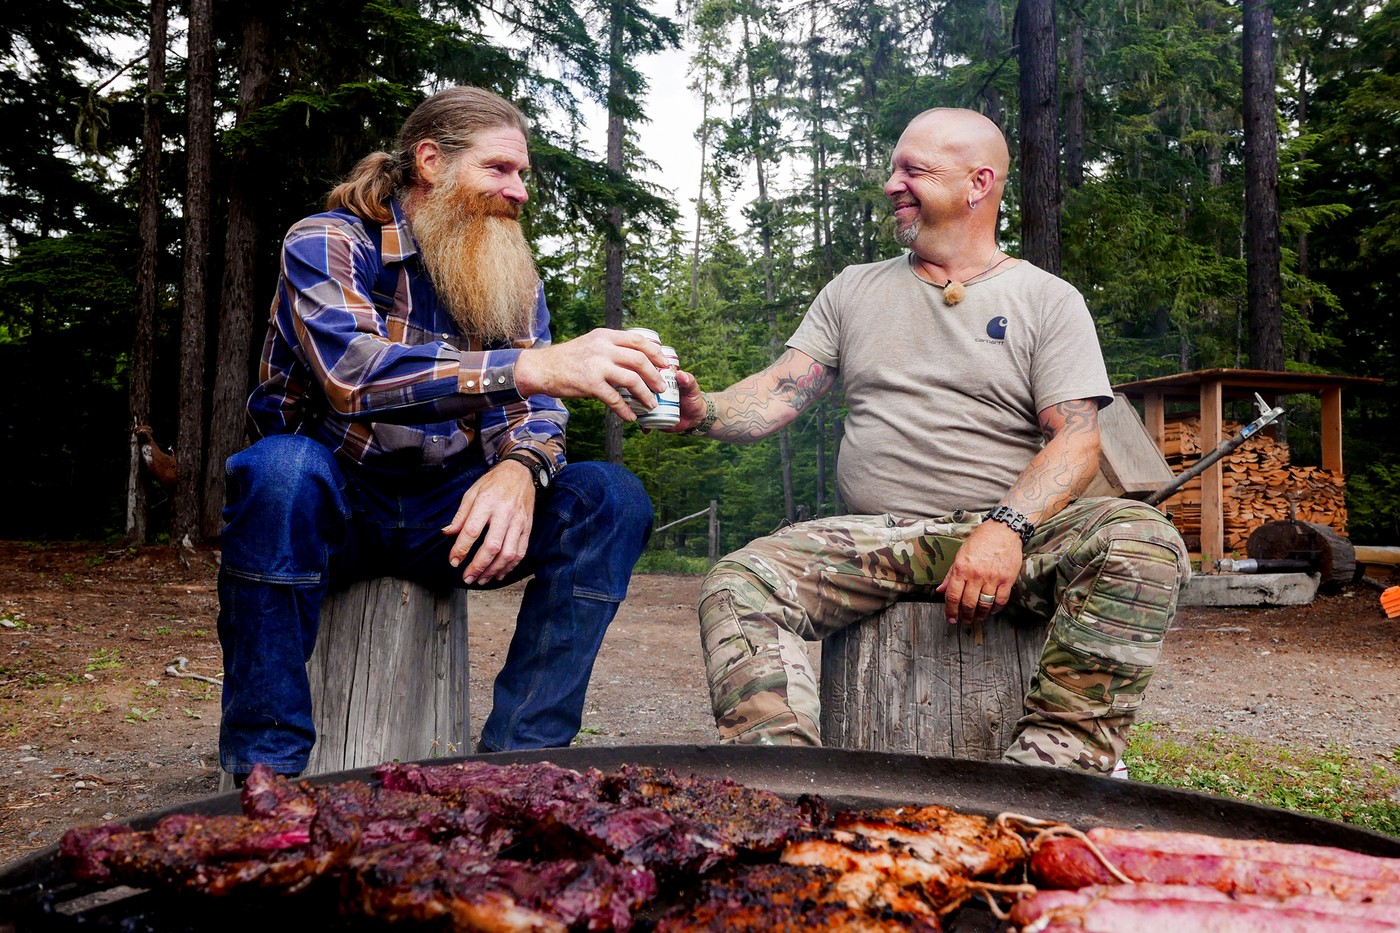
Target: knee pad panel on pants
(761,689)
(1104,646)
(729,597)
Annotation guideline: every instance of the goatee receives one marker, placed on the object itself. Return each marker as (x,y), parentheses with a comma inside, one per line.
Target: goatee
(478,260)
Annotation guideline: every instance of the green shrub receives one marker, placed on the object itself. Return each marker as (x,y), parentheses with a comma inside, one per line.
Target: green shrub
(671,562)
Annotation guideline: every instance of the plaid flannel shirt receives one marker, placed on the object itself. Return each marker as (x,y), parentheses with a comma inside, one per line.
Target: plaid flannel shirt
(362,357)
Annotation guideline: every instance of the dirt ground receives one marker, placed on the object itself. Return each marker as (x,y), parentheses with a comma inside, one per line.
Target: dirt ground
(96,725)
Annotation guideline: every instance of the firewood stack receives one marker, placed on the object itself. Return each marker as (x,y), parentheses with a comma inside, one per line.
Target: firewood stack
(1259,485)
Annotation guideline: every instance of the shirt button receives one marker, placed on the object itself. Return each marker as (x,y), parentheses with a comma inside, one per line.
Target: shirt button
(436,439)
(471,383)
(501,379)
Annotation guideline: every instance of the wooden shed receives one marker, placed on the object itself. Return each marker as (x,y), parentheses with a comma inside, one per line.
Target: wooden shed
(1207,391)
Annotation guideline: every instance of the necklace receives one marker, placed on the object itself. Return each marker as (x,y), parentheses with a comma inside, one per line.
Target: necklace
(954,291)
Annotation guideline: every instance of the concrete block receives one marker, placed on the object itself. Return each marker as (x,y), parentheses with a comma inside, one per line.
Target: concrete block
(1250,589)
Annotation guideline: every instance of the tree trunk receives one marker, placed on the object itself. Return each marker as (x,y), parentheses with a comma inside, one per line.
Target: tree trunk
(147,298)
(991,51)
(1304,352)
(700,194)
(1074,113)
(1262,253)
(199,142)
(237,302)
(1040,123)
(765,230)
(612,269)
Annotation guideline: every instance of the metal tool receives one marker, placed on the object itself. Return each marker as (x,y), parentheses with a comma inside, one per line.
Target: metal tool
(1267,416)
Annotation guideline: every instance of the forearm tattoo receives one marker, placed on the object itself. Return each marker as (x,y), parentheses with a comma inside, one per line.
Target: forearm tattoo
(1065,465)
(762,404)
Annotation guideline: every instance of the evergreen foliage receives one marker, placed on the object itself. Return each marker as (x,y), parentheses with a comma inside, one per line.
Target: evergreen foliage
(809,95)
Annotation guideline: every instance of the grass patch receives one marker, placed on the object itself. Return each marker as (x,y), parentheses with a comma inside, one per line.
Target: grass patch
(668,562)
(106,659)
(1327,782)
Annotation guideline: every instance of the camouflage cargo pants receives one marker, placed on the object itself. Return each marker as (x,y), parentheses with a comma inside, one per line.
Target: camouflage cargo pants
(1106,572)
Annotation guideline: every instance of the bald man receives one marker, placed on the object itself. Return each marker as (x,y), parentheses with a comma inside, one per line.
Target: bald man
(974,382)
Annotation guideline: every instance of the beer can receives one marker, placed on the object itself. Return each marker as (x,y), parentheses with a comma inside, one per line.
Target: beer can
(667,412)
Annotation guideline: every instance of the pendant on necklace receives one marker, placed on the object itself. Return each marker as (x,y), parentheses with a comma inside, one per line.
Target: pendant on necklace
(953,292)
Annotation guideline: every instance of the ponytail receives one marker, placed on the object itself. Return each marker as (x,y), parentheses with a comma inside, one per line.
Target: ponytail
(367,191)
(452,118)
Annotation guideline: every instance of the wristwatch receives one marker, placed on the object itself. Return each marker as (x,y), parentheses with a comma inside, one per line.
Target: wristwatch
(538,471)
(703,426)
(1014,520)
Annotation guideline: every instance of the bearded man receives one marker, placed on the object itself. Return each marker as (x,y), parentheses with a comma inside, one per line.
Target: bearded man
(407,424)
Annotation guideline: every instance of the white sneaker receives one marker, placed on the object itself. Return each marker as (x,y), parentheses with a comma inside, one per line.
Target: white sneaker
(1120,771)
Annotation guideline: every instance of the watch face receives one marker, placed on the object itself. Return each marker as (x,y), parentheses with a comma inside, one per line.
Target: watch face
(542,478)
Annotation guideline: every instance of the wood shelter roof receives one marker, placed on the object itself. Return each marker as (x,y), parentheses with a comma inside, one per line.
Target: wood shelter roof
(1242,382)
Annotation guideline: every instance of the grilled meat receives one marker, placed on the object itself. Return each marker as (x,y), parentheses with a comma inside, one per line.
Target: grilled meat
(84,852)
(293,834)
(389,817)
(794,898)
(268,795)
(585,851)
(743,817)
(973,842)
(212,854)
(529,792)
(666,843)
(873,865)
(424,882)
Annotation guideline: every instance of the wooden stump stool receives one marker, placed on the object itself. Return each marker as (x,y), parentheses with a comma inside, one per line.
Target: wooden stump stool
(905,680)
(389,675)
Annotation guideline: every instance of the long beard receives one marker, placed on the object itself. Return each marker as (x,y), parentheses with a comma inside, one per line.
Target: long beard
(478,260)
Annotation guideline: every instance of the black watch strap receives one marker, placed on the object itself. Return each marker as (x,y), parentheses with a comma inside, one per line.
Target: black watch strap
(534,463)
(1014,520)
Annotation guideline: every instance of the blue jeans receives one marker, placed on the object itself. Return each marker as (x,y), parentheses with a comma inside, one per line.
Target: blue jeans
(298,523)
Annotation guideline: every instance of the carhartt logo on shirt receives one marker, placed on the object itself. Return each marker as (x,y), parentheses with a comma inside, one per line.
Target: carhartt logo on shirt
(996,328)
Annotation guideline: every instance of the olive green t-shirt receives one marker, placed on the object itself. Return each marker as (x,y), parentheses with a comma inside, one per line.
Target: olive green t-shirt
(944,399)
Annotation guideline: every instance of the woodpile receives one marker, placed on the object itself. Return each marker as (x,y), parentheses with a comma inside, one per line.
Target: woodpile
(1259,485)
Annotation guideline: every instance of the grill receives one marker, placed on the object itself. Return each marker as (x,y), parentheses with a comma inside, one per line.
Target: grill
(34,895)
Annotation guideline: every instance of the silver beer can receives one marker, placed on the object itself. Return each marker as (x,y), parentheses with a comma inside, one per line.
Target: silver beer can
(667,412)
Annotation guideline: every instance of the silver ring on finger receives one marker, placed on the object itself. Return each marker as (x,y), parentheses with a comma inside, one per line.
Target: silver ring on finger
(987,599)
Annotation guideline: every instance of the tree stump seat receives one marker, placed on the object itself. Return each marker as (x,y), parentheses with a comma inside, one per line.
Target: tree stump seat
(389,675)
(904,680)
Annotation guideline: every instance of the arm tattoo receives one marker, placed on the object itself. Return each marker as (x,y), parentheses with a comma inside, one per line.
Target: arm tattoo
(804,389)
(764,403)
(1065,465)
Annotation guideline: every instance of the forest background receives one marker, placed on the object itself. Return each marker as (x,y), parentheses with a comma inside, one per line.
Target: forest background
(1218,179)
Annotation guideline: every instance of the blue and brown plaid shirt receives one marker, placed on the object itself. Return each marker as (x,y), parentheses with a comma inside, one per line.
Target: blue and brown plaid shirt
(360,356)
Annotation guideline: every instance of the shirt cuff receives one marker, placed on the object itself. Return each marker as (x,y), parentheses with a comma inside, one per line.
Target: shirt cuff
(492,374)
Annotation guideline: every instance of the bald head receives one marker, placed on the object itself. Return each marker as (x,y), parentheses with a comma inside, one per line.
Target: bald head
(964,137)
